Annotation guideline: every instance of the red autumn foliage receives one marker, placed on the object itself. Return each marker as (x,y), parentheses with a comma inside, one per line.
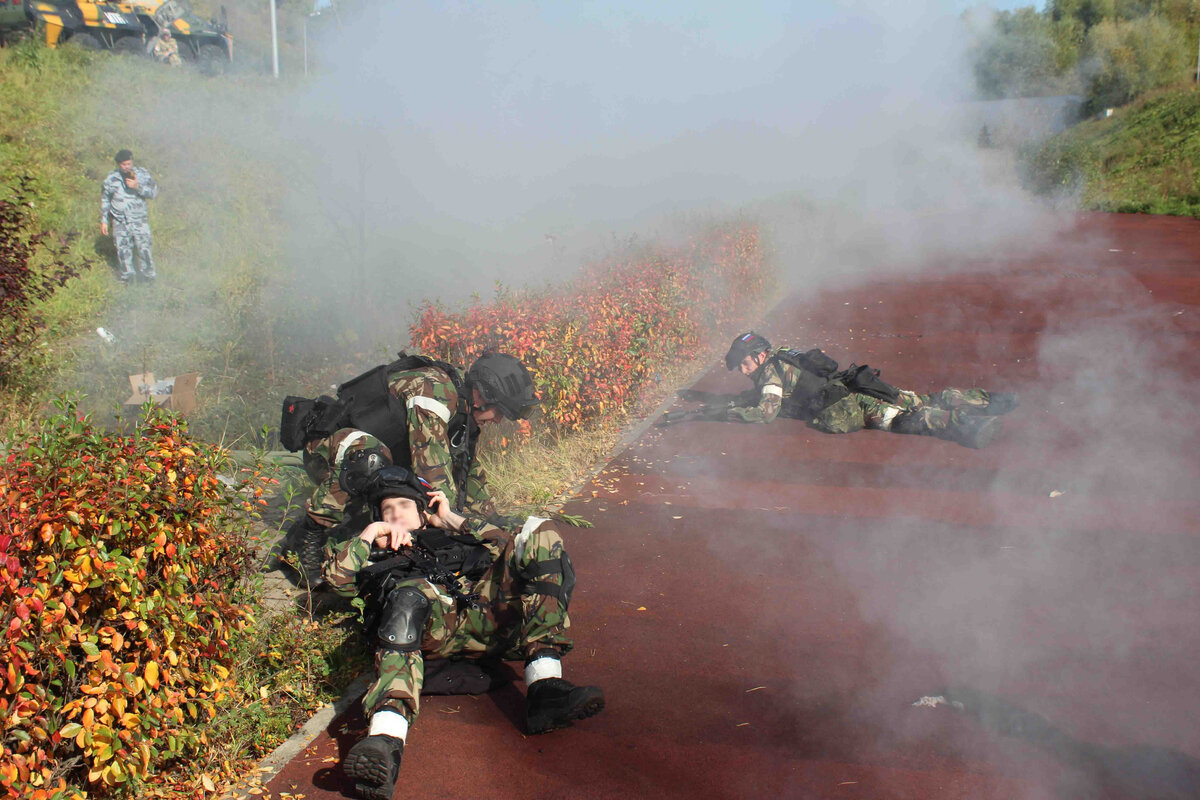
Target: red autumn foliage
(120,558)
(592,345)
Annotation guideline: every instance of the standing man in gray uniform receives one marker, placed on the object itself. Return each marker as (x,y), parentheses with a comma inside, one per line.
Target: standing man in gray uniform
(123,197)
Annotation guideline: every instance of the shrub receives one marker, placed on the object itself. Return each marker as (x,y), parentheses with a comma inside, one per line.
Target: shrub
(120,558)
(593,344)
(1127,59)
(23,285)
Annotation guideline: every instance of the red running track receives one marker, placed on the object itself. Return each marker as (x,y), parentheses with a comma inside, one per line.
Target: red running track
(764,604)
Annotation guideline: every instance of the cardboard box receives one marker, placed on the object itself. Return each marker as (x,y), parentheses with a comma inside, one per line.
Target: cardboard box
(177,393)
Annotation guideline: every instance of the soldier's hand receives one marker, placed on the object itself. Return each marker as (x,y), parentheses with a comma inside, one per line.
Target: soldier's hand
(440,513)
(386,535)
(132,182)
(104,229)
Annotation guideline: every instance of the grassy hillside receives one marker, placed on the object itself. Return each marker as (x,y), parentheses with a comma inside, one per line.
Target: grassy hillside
(216,244)
(1144,158)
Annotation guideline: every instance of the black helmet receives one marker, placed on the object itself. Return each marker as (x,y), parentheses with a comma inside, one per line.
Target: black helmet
(359,466)
(748,344)
(503,381)
(393,481)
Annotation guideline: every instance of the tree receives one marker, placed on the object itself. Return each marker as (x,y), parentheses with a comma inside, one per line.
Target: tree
(1021,57)
(1126,58)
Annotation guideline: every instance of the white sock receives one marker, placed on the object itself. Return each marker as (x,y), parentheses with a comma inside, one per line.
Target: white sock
(388,723)
(540,668)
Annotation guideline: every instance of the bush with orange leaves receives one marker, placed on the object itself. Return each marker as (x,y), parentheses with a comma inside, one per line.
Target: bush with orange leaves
(593,345)
(120,561)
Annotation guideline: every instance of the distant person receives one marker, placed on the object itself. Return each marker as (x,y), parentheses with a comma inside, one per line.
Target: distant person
(123,197)
(164,48)
(808,386)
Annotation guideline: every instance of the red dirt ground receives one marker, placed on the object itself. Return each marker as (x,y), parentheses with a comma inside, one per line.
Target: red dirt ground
(763,604)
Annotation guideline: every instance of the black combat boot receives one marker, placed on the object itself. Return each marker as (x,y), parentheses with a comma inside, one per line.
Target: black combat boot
(373,764)
(973,431)
(999,403)
(306,540)
(554,703)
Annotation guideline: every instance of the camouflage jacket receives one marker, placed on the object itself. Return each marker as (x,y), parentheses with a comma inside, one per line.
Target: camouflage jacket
(431,401)
(165,50)
(126,206)
(323,459)
(345,556)
(775,381)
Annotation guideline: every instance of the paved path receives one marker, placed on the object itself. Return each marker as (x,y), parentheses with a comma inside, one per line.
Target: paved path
(764,604)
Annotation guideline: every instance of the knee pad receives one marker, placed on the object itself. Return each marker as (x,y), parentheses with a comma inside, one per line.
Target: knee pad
(910,422)
(402,622)
(555,566)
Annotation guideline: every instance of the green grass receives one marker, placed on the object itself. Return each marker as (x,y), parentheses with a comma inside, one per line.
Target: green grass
(215,237)
(1143,159)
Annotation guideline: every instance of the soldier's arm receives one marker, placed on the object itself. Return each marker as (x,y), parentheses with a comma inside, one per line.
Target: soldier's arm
(343,562)
(147,188)
(770,400)
(105,202)
(442,515)
(479,497)
(429,443)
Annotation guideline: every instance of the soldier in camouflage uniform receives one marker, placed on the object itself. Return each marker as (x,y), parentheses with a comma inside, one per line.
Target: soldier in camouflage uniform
(165,49)
(123,197)
(500,388)
(510,602)
(966,416)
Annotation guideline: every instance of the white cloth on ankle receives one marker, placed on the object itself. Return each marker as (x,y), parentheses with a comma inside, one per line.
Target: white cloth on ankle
(541,668)
(388,723)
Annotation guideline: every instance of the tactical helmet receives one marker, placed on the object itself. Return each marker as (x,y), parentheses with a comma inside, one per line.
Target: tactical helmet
(359,466)
(503,381)
(748,344)
(394,481)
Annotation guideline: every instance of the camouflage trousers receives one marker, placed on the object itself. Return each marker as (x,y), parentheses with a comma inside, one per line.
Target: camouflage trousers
(523,610)
(133,239)
(923,413)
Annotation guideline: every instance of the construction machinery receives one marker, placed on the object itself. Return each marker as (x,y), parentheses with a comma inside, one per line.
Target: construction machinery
(132,25)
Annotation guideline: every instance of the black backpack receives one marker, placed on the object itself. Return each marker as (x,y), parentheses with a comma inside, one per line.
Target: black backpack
(815,387)
(365,403)
(820,385)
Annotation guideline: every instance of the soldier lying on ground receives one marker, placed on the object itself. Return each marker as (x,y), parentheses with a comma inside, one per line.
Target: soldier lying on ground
(509,603)
(808,386)
(416,408)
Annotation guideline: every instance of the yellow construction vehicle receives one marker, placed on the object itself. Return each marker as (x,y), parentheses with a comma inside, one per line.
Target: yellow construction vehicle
(130,27)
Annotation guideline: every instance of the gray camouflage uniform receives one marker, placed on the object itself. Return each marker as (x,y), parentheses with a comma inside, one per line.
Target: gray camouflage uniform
(130,220)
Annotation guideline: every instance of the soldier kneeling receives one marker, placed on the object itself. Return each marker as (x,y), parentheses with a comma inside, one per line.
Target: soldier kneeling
(440,587)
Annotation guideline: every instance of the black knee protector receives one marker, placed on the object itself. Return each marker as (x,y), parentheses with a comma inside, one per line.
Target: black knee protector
(910,422)
(556,566)
(316,467)
(402,622)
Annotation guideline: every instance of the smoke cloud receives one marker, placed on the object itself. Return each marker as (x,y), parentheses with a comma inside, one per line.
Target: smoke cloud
(450,146)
